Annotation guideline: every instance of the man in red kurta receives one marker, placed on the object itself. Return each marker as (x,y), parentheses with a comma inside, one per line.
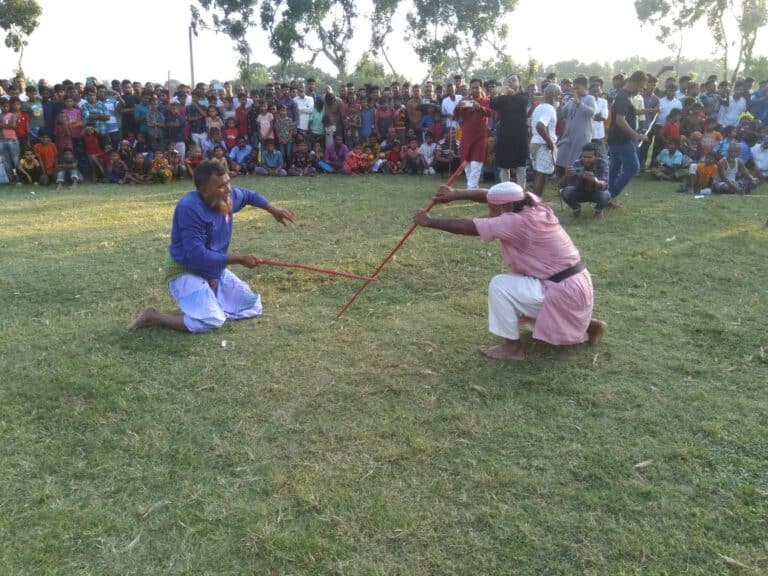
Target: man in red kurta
(473,112)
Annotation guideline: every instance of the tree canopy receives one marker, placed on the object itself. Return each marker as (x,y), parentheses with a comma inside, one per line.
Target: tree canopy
(19,18)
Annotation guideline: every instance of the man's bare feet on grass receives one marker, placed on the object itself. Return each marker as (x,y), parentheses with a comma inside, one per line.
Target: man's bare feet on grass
(145,319)
(596,331)
(506,351)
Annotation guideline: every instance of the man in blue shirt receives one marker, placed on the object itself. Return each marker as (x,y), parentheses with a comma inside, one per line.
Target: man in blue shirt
(207,293)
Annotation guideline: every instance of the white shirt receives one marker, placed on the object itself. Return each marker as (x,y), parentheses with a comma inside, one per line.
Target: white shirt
(598,128)
(305,107)
(545,114)
(729,115)
(760,156)
(665,107)
(447,107)
(428,152)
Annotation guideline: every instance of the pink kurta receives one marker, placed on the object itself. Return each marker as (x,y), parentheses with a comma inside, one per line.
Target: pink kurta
(534,244)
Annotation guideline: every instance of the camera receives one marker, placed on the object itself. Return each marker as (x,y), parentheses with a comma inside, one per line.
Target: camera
(578,171)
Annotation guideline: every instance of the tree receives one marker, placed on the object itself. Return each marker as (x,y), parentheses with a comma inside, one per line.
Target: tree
(437,28)
(381,27)
(319,26)
(230,17)
(19,18)
(672,17)
(254,74)
(286,72)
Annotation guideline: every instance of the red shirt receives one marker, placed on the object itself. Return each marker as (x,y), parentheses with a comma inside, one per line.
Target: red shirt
(241,114)
(92,144)
(393,156)
(22,125)
(671,131)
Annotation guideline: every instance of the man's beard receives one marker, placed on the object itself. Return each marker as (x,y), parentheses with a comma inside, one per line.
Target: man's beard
(223,205)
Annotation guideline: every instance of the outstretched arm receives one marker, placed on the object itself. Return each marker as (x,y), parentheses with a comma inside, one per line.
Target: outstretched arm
(463,226)
(446,194)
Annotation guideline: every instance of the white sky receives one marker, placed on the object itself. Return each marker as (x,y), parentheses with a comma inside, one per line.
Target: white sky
(145,39)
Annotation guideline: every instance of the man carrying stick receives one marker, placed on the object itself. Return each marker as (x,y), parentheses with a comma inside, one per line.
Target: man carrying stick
(207,292)
(547,286)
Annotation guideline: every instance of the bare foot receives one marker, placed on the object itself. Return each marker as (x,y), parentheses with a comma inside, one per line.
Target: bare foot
(145,319)
(596,331)
(504,351)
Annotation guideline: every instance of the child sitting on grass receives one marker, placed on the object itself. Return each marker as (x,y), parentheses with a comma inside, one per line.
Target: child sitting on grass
(66,170)
(115,170)
(30,170)
(138,173)
(414,163)
(161,169)
(672,164)
(301,164)
(46,152)
(394,164)
(194,160)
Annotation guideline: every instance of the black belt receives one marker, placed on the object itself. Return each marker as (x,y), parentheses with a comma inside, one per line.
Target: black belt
(568,272)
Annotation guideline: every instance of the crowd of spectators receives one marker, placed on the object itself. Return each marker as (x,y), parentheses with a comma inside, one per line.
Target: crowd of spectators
(130,132)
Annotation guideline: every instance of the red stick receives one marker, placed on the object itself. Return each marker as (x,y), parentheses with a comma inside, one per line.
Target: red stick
(313,269)
(375,274)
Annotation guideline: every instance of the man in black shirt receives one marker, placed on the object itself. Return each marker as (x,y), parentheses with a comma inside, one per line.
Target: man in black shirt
(622,138)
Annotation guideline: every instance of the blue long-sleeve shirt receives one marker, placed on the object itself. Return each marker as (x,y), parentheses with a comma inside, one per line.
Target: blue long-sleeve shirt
(200,236)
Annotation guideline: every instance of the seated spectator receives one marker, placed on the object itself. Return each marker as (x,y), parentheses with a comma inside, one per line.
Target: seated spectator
(176,164)
(317,159)
(219,155)
(428,154)
(30,169)
(414,163)
(732,175)
(336,153)
(447,153)
(161,169)
(194,160)
(210,142)
(138,172)
(586,181)
(701,175)
(231,134)
(115,170)
(46,152)
(394,159)
(271,160)
(671,164)
(760,158)
(66,170)
(357,161)
(238,156)
(93,150)
(301,163)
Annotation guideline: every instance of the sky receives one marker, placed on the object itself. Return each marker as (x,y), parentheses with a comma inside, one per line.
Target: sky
(146,39)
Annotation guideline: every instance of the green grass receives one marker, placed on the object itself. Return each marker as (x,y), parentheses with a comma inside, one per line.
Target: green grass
(383,443)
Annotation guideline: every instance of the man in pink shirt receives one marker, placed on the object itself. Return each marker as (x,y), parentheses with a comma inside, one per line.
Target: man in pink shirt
(547,286)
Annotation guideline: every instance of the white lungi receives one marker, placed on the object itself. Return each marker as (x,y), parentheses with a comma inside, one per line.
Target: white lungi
(511,296)
(204,309)
(474,171)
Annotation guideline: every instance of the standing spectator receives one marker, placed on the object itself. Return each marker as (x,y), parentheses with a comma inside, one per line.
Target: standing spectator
(598,120)
(511,131)
(473,113)
(623,139)
(732,106)
(196,119)
(666,105)
(305,105)
(111,103)
(285,128)
(544,138)
(578,114)
(448,106)
(10,152)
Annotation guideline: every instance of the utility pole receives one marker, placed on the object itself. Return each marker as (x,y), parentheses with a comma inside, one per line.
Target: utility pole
(191,59)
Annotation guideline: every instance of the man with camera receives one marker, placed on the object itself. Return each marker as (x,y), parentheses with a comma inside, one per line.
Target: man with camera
(586,181)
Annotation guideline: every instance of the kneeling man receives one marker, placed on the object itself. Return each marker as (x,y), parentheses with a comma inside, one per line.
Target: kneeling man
(207,293)
(547,285)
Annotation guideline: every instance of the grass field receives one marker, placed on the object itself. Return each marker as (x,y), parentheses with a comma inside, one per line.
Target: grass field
(383,443)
